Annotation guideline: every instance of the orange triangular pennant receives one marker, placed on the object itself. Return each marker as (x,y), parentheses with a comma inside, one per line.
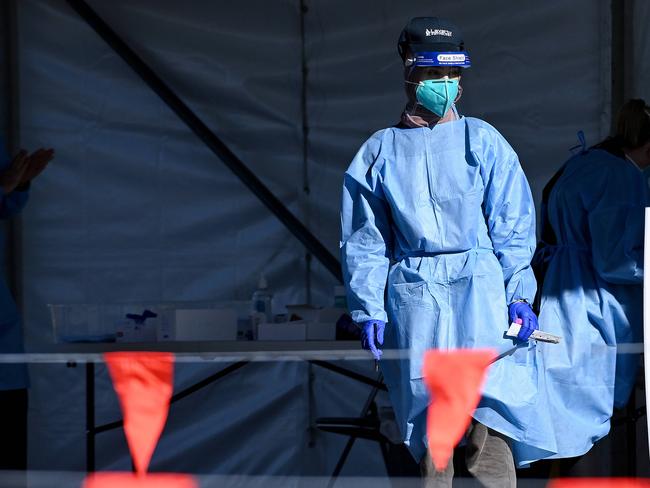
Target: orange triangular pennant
(454,379)
(599,483)
(130,480)
(144,383)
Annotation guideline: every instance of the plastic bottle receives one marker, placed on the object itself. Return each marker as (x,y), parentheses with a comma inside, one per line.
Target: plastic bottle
(261,300)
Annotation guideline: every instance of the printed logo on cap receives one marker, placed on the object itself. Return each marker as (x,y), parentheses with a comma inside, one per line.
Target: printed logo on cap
(438,32)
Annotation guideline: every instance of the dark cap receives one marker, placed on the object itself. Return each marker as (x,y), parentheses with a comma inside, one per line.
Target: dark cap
(430,34)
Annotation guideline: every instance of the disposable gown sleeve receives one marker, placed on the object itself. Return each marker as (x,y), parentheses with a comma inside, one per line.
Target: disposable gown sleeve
(365,236)
(510,216)
(616,223)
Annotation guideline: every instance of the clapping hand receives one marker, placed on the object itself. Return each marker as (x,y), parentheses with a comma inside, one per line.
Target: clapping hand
(24,168)
(37,162)
(12,177)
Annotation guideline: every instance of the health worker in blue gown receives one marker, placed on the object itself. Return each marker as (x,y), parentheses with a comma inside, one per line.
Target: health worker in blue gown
(438,231)
(591,264)
(16,175)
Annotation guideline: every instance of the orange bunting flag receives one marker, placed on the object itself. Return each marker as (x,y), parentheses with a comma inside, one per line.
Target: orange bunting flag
(454,379)
(599,483)
(130,480)
(143,382)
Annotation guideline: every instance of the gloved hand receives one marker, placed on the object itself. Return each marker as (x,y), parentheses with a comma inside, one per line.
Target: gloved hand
(522,313)
(372,333)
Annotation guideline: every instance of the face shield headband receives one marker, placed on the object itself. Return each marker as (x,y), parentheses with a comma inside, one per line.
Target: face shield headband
(434,58)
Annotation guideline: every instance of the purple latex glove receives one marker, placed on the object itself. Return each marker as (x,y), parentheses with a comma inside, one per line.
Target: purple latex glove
(527,319)
(372,333)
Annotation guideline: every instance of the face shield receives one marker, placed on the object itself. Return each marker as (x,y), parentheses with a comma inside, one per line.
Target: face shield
(432,79)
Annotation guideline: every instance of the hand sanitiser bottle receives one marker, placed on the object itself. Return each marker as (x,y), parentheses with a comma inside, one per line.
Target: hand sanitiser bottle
(261,300)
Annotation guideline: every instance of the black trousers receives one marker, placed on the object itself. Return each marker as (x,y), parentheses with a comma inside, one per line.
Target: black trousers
(13,429)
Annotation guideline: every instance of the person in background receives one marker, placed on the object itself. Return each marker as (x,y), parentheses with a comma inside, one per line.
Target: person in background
(590,267)
(438,231)
(16,176)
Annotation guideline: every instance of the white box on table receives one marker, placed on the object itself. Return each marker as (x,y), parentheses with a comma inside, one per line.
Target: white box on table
(321,331)
(286,331)
(218,324)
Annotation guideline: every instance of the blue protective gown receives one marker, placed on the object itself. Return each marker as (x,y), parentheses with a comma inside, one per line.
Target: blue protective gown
(438,230)
(592,294)
(12,376)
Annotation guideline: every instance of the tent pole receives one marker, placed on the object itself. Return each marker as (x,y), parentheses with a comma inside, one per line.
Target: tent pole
(304,72)
(14,240)
(622,54)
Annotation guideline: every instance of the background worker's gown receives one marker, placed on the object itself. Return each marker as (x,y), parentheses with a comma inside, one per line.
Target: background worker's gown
(592,293)
(12,376)
(443,221)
